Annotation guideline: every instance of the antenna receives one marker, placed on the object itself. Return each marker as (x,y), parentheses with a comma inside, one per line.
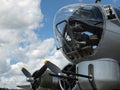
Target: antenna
(97,1)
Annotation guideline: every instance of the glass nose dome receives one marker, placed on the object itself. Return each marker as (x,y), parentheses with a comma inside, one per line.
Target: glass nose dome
(78,30)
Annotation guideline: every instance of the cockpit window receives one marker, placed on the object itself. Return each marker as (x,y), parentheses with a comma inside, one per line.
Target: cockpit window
(89,14)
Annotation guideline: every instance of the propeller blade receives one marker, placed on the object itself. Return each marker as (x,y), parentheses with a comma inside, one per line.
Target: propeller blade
(53,67)
(39,72)
(26,72)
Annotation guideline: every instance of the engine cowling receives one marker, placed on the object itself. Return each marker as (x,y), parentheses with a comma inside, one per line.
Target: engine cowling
(106,74)
(49,82)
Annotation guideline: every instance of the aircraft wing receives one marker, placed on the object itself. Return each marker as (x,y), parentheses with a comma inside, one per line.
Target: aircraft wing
(26,87)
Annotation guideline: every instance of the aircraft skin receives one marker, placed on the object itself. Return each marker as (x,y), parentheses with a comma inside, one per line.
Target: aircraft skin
(24,87)
(104,59)
(88,36)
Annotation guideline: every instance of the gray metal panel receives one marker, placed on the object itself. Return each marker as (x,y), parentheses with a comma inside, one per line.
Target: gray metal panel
(106,74)
(109,46)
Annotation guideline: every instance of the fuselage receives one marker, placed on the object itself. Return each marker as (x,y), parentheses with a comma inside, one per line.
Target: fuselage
(88,35)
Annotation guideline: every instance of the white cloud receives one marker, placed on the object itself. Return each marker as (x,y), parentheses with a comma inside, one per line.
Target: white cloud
(19,45)
(19,42)
(18,18)
(41,49)
(4,65)
(17,14)
(14,76)
(58,59)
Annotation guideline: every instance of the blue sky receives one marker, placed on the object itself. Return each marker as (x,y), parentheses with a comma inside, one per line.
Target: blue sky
(49,9)
(27,36)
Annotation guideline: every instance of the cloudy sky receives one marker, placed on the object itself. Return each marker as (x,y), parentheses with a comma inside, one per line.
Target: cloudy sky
(27,38)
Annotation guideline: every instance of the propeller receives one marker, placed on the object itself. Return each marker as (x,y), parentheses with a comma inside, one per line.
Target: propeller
(39,73)
(35,77)
(26,72)
(53,67)
(67,76)
(58,73)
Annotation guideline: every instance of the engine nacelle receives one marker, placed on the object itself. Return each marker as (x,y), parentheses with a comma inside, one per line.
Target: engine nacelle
(55,83)
(64,84)
(49,82)
(106,74)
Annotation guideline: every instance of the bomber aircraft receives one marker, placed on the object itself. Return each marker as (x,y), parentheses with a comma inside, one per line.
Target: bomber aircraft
(89,37)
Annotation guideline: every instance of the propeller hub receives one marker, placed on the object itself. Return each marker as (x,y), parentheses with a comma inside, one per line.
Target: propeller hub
(46,61)
(61,74)
(30,79)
